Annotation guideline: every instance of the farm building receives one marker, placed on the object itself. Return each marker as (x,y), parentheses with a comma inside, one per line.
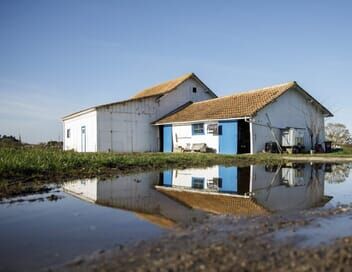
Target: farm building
(126,126)
(185,115)
(246,122)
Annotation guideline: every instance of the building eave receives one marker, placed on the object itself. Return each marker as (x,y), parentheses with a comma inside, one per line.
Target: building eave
(78,113)
(201,121)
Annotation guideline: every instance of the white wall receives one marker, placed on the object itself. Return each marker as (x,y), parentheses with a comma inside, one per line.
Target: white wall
(292,109)
(126,127)
(182,135)
(89,120)
(183,178)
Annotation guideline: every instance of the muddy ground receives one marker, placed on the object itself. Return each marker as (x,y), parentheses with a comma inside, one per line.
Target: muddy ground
(228,243)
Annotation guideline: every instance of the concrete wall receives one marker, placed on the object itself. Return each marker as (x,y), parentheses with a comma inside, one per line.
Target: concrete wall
(126,127)
(182,135)
(89,120)
(292,109)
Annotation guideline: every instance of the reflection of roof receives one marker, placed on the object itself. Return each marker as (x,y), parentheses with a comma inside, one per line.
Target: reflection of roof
(78,195)
(215,202)
(325,199)
(156,220)
(238,105)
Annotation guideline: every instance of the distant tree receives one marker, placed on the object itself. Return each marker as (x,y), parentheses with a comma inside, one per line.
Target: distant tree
(338,134)
(339,173)
(8,141)
(314,123)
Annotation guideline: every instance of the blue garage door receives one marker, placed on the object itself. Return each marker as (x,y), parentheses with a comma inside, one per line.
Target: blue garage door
(228,137)
(167,140)
(228,177)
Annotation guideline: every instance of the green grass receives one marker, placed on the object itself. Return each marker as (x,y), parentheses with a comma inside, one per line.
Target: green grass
(21,163)
(16,163)
(345,152)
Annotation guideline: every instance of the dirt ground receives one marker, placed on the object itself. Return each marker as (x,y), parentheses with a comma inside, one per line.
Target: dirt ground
(230,243)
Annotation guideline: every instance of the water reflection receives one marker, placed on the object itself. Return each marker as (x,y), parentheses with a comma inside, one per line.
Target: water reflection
(134,193)
(178,195)
(273,188)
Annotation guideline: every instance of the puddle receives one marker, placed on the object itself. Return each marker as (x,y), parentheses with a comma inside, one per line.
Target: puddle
(319,232)
(88,215)
(44,233)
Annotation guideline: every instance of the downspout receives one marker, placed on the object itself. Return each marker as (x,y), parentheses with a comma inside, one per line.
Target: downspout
(251,177)
(111,131)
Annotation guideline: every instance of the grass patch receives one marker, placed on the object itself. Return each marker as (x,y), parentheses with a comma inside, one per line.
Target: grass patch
(29,163)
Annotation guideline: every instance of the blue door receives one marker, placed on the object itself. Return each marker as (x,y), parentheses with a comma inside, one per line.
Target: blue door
(167,178)
(167,138)
(228,177)
(228,137)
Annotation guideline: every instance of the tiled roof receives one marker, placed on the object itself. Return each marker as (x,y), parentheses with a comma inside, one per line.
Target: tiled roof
(238,105)
(163,87)
(215,203)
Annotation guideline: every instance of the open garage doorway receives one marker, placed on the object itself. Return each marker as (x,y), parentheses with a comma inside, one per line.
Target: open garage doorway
(244,137)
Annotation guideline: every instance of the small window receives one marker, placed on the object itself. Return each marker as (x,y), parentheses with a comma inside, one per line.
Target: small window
(198,129)
(68,133)
(194,89)
(197,183)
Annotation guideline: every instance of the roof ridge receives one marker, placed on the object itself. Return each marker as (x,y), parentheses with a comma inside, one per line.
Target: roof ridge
(289,83)
(179,80)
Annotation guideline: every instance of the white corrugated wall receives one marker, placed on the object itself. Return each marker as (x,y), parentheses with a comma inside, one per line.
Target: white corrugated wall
(292,109)
(126,127)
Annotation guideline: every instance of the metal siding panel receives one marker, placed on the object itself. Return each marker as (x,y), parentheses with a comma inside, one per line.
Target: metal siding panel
(228,177)
(228,137)
(167,141)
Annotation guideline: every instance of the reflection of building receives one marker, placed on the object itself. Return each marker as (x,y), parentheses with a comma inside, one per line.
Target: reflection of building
(212,179)
(291,187)
(180,194)
(135,193)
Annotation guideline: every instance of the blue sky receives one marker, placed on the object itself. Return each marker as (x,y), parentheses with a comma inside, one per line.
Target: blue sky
(57,57)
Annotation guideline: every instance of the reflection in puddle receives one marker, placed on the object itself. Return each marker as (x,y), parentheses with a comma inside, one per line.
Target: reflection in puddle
(253,189)
(132,208)
(133,193)
(174,196)
(319,232)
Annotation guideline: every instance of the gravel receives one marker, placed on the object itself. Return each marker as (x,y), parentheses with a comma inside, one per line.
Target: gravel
(227,243)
